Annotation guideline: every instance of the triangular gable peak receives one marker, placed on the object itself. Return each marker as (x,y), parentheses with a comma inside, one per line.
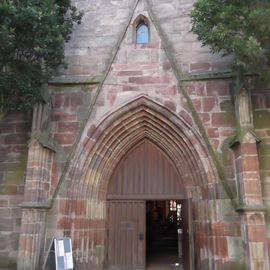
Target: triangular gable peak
(140,68)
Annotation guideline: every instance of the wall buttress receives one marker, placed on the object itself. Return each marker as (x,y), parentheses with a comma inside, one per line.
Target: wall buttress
(36,196)
(249,186)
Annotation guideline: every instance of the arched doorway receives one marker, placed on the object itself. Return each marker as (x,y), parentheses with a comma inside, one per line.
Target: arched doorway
(106,146)
(147,213)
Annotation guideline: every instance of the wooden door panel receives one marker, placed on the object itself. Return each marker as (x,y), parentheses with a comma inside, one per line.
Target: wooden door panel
(126,249)
(145,173)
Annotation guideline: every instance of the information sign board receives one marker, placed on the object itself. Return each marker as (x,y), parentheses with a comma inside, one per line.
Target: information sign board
(59,256)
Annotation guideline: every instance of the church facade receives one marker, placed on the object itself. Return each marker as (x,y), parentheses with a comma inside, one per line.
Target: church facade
(143,123)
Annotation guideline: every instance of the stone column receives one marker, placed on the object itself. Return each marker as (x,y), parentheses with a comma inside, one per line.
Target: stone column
(36,195)
(249,186)
(31,238)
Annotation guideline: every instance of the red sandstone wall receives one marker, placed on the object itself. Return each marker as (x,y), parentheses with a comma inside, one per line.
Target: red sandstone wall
(14,135)
(212,101)
(92,42)
(145,70)
(261,117)
(137,70)
(145,73)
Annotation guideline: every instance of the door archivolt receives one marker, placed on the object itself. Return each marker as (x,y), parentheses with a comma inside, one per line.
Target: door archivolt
(144,174)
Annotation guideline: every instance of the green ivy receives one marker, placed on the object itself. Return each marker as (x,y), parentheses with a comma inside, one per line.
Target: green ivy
(236,27)
(32,37)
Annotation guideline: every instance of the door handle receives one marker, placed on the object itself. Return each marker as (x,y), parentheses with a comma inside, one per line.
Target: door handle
(141,236)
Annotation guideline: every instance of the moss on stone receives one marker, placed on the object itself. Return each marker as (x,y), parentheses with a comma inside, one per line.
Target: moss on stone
(261,119)
(86,88)
(225,209)
(265,163)
(46,141)
(229,118)
(22,162)
(13,177)
(227,105)
(267,217)
(264,149)
(234,266)
(16,175)
(221,192)
(225,151)
(265,174)
(76,79)
(13,173)
(7,263)
(264,156)
(8,190)
(86,101)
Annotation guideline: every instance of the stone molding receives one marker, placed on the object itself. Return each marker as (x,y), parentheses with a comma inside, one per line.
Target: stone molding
(75,79)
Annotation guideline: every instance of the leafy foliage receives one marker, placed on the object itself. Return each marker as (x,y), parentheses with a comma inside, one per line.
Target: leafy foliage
(32,37)
(238,27)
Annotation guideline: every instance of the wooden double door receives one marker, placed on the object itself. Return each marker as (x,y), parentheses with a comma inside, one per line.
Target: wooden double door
(127,235)
(144,174)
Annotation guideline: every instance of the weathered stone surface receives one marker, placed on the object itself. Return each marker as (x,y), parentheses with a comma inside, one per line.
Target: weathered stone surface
(14,135)
(106,114)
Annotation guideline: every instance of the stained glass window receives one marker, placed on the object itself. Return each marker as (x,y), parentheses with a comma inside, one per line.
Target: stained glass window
(142,34)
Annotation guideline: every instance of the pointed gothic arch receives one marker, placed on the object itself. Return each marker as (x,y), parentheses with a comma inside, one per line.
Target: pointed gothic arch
(141,22)
(87,184)
(144,118)
(147,172)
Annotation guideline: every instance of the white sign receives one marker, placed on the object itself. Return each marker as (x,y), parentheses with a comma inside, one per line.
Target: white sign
(59,256)
(69,260)
(60,248)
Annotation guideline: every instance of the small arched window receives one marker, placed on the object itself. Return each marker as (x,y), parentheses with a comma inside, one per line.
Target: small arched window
(142,33)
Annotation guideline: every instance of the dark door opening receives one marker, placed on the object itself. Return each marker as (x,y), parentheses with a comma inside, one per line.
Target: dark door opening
(146,178)
(163,234)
